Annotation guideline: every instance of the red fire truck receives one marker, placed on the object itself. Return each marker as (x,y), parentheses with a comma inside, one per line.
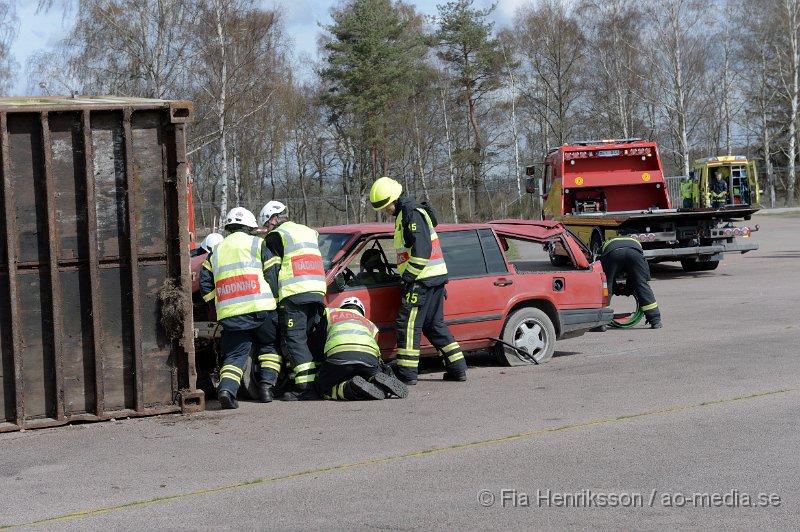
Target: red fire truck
(600,188)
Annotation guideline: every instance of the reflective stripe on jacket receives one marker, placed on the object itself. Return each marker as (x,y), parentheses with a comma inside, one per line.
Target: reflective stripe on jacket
(423,267)
(240,287)
(348,330)
(302,270)
(617,242)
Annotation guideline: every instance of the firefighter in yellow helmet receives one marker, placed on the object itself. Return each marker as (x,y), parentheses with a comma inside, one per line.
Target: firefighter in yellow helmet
(424,273)
(352,369)
(301,292)
(239,277)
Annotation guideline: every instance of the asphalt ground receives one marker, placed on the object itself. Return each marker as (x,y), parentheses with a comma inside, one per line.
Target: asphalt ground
(694,425)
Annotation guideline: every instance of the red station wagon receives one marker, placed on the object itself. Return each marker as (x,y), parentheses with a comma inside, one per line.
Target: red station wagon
(503,284)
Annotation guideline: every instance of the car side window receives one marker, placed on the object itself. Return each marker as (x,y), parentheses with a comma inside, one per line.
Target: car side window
(495,262)
(373,265)
(528,256)
(463,254)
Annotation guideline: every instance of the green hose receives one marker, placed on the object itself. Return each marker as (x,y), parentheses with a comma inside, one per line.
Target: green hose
(632,319)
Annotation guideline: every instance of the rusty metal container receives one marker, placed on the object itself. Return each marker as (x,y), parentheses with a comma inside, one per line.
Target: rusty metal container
(94,222)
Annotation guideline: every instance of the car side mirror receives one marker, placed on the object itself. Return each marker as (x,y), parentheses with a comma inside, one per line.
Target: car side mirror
(530,185)
(339,282)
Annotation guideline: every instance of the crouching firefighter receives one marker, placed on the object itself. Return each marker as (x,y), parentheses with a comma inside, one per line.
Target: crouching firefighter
(239,277)
(352,368)
(624,255)
(424,273)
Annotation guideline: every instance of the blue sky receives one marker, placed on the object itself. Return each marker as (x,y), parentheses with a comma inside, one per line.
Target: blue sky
(301,17)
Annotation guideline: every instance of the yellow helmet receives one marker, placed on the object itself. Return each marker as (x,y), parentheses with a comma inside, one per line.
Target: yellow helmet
(384,191)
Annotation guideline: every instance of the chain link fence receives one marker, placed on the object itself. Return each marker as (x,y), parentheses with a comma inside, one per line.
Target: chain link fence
(487,203)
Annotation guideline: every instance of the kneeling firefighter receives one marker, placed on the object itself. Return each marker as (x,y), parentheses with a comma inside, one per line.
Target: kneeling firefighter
(624,254)
(352,368)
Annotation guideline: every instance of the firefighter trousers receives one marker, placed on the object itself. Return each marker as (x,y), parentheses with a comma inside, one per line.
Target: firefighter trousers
(297,323)
(336,373)
(631,262)
(422,311)
(238,344)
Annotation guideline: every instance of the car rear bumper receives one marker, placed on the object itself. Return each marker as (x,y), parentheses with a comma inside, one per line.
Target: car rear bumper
(576,322)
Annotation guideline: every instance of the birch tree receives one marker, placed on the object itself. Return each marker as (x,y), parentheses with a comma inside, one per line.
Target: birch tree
(677,48)
(9,25)
(788,52)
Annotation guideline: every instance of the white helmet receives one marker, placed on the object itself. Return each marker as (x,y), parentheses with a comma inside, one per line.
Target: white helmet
(354,302)
(241,216)
(211,241)
(270,209)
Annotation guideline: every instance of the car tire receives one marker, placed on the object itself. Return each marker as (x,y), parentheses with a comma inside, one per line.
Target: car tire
(248,389)
(531,329)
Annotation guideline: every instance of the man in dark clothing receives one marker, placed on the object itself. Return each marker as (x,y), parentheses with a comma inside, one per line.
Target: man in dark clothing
(424,273)
(719,191)
(301,292)
(239,277)
(352,369)
(624,255)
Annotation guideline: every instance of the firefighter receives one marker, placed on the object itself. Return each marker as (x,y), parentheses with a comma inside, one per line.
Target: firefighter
(686,192)
(301,292)
(239,277)
(719,191)
(424,273)
(207,245)
(624,255)
(352,368)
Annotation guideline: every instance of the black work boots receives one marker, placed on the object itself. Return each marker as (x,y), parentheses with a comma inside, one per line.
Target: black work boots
(265,392)
(300,392)
(227,401)
(390,384)
(359,388)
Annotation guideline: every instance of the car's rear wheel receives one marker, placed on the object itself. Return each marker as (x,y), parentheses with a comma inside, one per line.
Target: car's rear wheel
(531,330)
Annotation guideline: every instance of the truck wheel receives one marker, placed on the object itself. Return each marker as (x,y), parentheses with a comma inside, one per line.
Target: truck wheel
(694,265)
(596,245)
(531,330)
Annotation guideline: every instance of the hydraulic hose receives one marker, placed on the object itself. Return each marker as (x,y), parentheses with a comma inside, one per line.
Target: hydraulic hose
(632,320)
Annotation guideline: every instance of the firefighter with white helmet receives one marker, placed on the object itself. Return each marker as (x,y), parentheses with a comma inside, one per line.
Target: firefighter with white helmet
(211,241)
(424,273)
(301,292)
(352,367)
(239,277)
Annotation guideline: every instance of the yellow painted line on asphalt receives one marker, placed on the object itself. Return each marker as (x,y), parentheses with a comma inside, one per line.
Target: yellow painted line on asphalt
(388,459)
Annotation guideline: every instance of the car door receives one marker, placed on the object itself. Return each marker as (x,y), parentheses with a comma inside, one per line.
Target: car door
(479,284)
(380,293)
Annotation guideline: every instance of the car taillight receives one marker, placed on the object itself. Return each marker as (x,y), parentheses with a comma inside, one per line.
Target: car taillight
(728,232)
(745,231)
(606,300)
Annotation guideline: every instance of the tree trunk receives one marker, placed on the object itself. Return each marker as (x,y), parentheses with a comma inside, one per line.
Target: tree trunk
(449,160)
(418,149)
(221,110)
